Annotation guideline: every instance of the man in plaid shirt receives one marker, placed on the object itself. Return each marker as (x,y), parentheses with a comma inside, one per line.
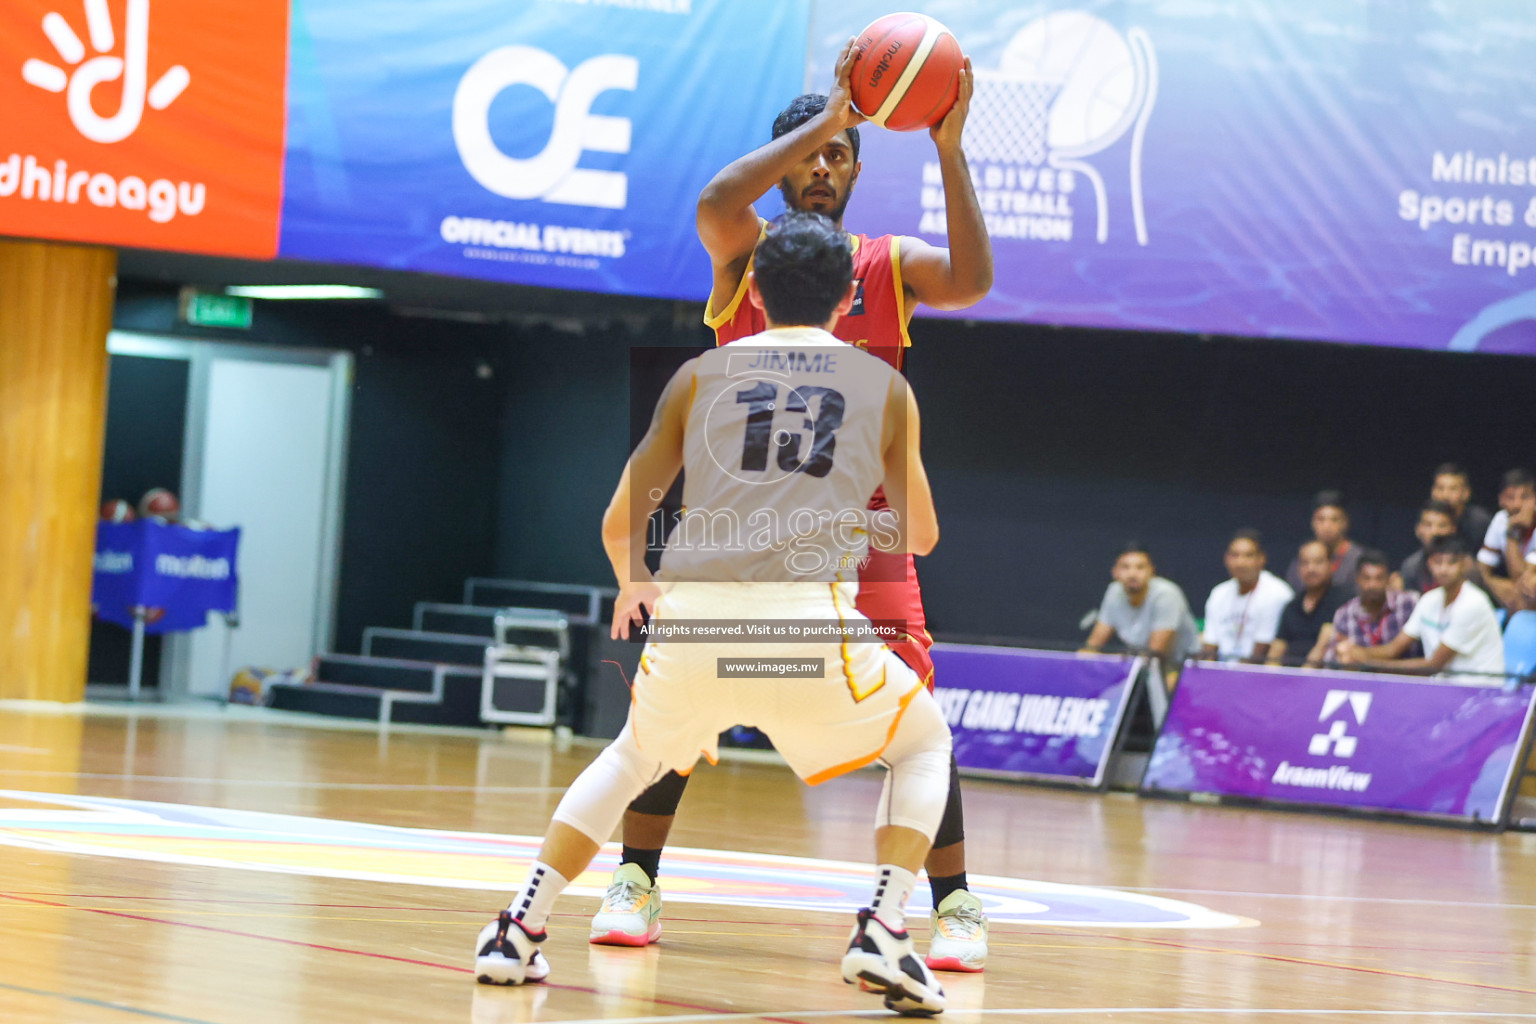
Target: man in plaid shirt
(1376,615)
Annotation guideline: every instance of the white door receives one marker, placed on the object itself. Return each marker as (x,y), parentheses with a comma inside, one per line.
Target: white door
(264,466)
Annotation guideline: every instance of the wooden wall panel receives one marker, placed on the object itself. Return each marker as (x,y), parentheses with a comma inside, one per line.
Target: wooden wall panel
(55,312)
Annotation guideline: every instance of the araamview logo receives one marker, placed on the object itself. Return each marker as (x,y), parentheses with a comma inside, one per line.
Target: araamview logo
(132,68)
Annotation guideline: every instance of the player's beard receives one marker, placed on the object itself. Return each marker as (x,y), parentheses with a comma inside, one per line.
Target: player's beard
(835,212)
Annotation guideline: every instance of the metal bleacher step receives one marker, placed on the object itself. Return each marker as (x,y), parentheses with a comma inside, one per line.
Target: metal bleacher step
(386,690)
(420,645)
(457,619)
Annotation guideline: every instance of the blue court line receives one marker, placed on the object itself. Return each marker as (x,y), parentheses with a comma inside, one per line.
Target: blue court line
(121,1008)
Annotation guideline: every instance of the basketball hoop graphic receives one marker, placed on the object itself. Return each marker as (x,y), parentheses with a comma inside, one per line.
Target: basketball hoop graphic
(1068,86)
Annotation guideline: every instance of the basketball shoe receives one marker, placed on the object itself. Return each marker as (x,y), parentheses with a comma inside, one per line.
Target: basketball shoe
(631,910)
(507,954)
(959,934)
(880,960)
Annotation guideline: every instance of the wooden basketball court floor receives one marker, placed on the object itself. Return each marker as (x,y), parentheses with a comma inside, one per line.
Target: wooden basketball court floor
(123,896)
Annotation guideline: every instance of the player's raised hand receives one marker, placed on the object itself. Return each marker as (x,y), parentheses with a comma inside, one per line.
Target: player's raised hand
(632,599)
(840,99)
(946,134)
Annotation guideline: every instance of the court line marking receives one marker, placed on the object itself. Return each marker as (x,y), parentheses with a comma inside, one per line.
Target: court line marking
(1307,962)
(286,783)
(1035,1011)
(120,1007)
(1087,933)
(1330,899)
(775,1016)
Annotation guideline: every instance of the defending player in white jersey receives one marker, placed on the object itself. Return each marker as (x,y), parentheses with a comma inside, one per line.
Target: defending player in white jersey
(782,437)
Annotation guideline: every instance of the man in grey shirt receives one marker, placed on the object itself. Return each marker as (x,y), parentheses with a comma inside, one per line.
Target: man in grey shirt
(1146,611)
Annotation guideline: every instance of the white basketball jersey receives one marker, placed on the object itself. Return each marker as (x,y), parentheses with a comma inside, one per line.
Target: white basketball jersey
(782,451)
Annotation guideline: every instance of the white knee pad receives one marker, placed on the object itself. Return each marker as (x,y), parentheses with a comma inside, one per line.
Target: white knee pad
(917,785)
(595,803)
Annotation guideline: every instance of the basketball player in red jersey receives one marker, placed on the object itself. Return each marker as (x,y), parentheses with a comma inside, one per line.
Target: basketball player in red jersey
(814,160)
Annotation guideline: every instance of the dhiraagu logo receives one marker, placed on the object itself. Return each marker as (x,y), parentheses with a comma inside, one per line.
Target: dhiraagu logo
(132,67)
(551,174)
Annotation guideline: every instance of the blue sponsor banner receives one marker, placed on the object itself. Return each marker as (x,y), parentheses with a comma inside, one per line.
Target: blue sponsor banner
(1395,744)
(1306,169)
(1019,713)
(176,573)
(559,143)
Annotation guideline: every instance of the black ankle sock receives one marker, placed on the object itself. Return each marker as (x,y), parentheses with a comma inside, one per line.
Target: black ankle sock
(649,861)
(943,886)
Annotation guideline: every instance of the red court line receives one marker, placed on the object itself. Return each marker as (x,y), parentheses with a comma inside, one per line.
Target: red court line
(1069,931)
(363,953)
(1377,971)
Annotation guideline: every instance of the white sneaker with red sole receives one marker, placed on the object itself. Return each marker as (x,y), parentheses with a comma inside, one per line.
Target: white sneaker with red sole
(631,910)
(959,940)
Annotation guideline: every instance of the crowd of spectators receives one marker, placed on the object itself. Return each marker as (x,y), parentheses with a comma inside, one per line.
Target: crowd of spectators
(1341,605)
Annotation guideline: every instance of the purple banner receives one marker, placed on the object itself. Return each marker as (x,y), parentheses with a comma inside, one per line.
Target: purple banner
(1032,714)
(177,574)
(1342,739)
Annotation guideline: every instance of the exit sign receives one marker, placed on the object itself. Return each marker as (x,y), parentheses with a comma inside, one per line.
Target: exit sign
(208,309)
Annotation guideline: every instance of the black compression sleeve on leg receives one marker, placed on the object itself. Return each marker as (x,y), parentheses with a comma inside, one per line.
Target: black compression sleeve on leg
(952,825)
(663,797)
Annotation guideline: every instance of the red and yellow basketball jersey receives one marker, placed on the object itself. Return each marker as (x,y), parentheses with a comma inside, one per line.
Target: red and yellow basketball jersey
(877,322)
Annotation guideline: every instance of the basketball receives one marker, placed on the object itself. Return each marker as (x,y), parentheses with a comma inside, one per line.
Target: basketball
(906,74)
(118,511)
(159,503)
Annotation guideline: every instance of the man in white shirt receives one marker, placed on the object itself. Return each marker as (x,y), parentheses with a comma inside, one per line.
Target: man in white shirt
(1243,613)
(1454,622)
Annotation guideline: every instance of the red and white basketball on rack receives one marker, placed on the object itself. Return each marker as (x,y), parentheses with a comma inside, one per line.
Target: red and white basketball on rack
(906,75)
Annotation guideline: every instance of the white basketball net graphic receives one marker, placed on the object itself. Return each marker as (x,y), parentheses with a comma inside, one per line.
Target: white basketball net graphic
(1009,118)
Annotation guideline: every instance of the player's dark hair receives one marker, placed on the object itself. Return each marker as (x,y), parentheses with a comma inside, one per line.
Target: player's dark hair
(800,110)
(1447,544)
(1248,533)
(1441,507)
(1329,499)
(1135,547)
(1453,469)
(1518,478)
(803,265)
(1370,556)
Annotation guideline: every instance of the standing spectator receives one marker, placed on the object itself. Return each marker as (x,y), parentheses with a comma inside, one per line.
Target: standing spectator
(1306,625)
(1376,614)
(1146,611)
(1454,487)
(1454,622)
(1519,488)
(1243,613)
(1436,519)
(1330,525)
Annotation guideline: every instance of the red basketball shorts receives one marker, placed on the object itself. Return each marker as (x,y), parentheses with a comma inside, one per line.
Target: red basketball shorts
(900,600)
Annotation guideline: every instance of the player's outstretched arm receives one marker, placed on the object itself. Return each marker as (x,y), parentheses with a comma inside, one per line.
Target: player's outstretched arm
(726,218)
(906,481)
(646,479)
(960,275)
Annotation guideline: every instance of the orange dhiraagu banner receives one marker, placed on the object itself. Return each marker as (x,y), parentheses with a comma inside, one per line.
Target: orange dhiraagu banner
(153,125)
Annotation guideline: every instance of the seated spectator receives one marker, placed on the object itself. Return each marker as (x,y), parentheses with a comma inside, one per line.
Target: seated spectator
(1454,623)
(1243,613)
(1436,519)
(1146,611)
(1508,546)
(1376,614)
(1306,625)
(1454,487)
(1330,525)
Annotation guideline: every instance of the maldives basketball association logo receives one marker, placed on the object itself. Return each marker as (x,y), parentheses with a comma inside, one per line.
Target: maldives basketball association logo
(1068,87)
